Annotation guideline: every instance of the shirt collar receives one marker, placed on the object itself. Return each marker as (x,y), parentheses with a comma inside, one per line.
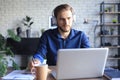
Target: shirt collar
(72,33)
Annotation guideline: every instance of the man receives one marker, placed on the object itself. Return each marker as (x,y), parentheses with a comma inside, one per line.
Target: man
(61,37)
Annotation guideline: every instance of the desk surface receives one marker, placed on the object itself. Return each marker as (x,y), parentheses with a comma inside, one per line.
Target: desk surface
(50,77)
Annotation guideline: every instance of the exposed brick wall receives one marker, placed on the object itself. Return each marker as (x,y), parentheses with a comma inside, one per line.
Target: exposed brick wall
(13,11)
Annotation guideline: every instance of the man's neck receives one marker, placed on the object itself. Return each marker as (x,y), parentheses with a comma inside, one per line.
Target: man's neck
(64,35)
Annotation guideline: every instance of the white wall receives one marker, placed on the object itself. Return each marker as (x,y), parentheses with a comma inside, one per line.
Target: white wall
(13,11)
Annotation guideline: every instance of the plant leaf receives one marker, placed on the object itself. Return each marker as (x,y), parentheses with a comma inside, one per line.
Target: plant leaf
(13,35)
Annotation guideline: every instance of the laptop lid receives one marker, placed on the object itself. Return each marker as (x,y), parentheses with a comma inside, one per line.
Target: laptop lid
(81,63)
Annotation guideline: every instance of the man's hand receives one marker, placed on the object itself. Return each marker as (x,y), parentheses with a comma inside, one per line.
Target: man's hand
(32,64)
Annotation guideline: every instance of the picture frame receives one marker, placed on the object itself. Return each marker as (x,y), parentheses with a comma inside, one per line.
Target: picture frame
(52,22)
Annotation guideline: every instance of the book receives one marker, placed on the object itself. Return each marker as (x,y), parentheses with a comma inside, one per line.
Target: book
(19,75)
(112,74)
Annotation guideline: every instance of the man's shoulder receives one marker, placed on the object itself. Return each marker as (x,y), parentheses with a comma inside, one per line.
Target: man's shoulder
(50,31)
(77,31)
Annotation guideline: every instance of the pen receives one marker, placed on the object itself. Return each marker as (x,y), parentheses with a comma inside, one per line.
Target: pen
(33,60)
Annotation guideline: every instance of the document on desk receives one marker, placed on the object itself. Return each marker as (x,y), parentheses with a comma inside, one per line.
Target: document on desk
(112,74)
(19,75)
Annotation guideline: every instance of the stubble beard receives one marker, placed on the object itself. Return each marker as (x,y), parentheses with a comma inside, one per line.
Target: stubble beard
(64,31)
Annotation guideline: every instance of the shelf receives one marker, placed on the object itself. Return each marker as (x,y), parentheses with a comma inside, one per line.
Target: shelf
(110,24)
(115,67)
(110,46)
(109,35)
(109,12)
(113,58)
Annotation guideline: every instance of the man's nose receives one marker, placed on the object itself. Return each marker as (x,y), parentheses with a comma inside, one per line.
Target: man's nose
(66,22)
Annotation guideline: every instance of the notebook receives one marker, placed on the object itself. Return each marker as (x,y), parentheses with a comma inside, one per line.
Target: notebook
(80,63)
(112,74)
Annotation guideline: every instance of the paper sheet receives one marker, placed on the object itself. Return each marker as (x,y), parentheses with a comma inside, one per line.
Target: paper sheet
(19,75)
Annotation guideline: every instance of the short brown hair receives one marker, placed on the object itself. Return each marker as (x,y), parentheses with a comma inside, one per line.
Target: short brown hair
(61,7)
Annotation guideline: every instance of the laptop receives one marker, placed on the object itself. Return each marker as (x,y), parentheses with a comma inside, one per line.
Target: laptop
(80,63)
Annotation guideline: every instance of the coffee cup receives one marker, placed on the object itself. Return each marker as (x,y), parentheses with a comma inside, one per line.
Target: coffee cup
(41,72)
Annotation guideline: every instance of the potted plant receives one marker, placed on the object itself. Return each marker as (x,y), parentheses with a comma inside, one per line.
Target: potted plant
(3,64)
(114,20)
(27,21)
(112,31)
(5,52)
(107,9)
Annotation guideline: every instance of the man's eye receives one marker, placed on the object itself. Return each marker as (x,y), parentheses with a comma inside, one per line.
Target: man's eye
(69,18)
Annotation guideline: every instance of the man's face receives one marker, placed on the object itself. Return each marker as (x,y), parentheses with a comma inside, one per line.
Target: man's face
(64,20)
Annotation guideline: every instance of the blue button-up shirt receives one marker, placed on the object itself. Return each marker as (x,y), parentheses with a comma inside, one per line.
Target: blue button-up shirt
(51,41)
